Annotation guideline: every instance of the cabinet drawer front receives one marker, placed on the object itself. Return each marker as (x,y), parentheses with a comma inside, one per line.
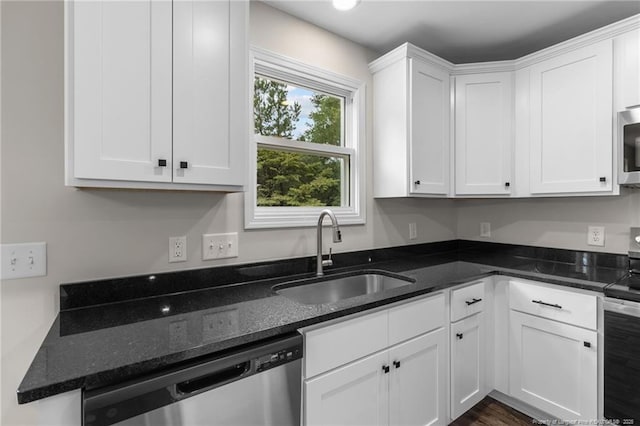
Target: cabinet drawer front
(467,301)
(560,305)
(414,318)
(338,344)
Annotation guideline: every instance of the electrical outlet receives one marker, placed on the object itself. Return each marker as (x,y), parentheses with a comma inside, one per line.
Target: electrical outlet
(23,260)
(413,231)
(177,249)
(485,229)
(595,236)
(219,246)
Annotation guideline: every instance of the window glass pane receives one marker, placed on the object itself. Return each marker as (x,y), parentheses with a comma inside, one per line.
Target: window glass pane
(297,179)
(292,112)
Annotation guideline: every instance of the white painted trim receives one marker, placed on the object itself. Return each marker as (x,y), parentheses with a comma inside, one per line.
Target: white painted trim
(604,33)
(408,50)
(288,69)
(483,67)
(301,146)
(523,407)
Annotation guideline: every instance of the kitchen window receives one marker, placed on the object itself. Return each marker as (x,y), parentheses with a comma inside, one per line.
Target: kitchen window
(306,148)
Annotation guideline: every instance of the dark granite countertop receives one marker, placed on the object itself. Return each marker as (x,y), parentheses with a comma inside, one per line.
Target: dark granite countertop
(114,330)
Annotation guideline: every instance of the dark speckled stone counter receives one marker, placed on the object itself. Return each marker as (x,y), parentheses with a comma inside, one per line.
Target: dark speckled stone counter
(113,330)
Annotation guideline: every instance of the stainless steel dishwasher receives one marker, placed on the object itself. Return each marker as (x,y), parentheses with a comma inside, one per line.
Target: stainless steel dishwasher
(622,361)
(258,385)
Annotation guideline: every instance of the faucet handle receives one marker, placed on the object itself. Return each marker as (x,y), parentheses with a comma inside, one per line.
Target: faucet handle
(328,262)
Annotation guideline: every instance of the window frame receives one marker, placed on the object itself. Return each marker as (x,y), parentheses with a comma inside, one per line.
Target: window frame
(272,65)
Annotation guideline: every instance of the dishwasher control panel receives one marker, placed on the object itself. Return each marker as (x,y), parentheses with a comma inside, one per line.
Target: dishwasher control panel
(280,357)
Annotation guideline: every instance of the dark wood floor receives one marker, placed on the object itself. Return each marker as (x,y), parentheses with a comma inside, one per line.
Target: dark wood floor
(490,412)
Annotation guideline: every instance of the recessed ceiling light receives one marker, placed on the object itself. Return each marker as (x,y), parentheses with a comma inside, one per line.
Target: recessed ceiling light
(345,4)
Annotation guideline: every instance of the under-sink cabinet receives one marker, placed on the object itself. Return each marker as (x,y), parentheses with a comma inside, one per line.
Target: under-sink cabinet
(387,367)
(553,350)
(468,342)
(156,94)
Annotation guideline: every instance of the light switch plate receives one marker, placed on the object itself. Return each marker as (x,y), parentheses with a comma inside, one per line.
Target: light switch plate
(219,246)
(485,229)
(413,231)
(23,260)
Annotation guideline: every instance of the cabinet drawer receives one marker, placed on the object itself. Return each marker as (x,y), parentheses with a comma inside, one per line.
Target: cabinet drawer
(467,301)
(556,304)
(337,344)
(415,318)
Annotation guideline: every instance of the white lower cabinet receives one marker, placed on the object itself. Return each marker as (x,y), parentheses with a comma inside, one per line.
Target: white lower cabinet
(404,385)
(402,381)
(554,366)
(467,364)
(468,344)
(417,388)
(354,394)
(553,349)
(427,362)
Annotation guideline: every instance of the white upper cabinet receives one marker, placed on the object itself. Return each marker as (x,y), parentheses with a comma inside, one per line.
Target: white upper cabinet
(119,76)
(627,70)
(483,133)
(429,96)
(571,134)
(149,89)
(539,125)
(209,124)
(411,152)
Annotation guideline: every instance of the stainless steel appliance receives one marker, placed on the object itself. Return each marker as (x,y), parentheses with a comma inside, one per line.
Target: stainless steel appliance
(622,341)
(629,147)
(258,385)
(622,361)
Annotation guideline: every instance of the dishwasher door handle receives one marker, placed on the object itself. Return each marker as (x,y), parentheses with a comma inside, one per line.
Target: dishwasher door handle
(211,380)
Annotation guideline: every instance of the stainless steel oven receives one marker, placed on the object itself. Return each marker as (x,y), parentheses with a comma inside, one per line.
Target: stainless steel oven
(622,361)
(629,147)
(257,385)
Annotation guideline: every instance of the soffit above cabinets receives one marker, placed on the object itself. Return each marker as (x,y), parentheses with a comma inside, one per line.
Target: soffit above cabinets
(462,31)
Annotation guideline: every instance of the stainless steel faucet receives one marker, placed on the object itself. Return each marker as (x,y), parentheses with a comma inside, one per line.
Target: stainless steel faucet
(337,238)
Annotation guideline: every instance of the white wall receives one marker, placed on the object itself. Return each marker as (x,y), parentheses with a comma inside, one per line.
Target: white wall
(553,222)
(106,233)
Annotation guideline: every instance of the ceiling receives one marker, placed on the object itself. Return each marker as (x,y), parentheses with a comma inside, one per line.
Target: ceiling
(462,31)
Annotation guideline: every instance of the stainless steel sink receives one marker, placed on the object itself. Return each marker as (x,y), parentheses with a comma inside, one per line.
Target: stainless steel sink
(333,288)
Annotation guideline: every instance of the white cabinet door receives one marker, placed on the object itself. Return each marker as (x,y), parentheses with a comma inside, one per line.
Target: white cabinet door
(627,70)
(429,105)
(356,394)
(417,388)
(571,122)
(467,364)
(483,137)
(209,130)
(554,366)
(119,90)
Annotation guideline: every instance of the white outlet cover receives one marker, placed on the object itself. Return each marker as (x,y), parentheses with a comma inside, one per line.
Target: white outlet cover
(596,236)
(177,249)
(23,260)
